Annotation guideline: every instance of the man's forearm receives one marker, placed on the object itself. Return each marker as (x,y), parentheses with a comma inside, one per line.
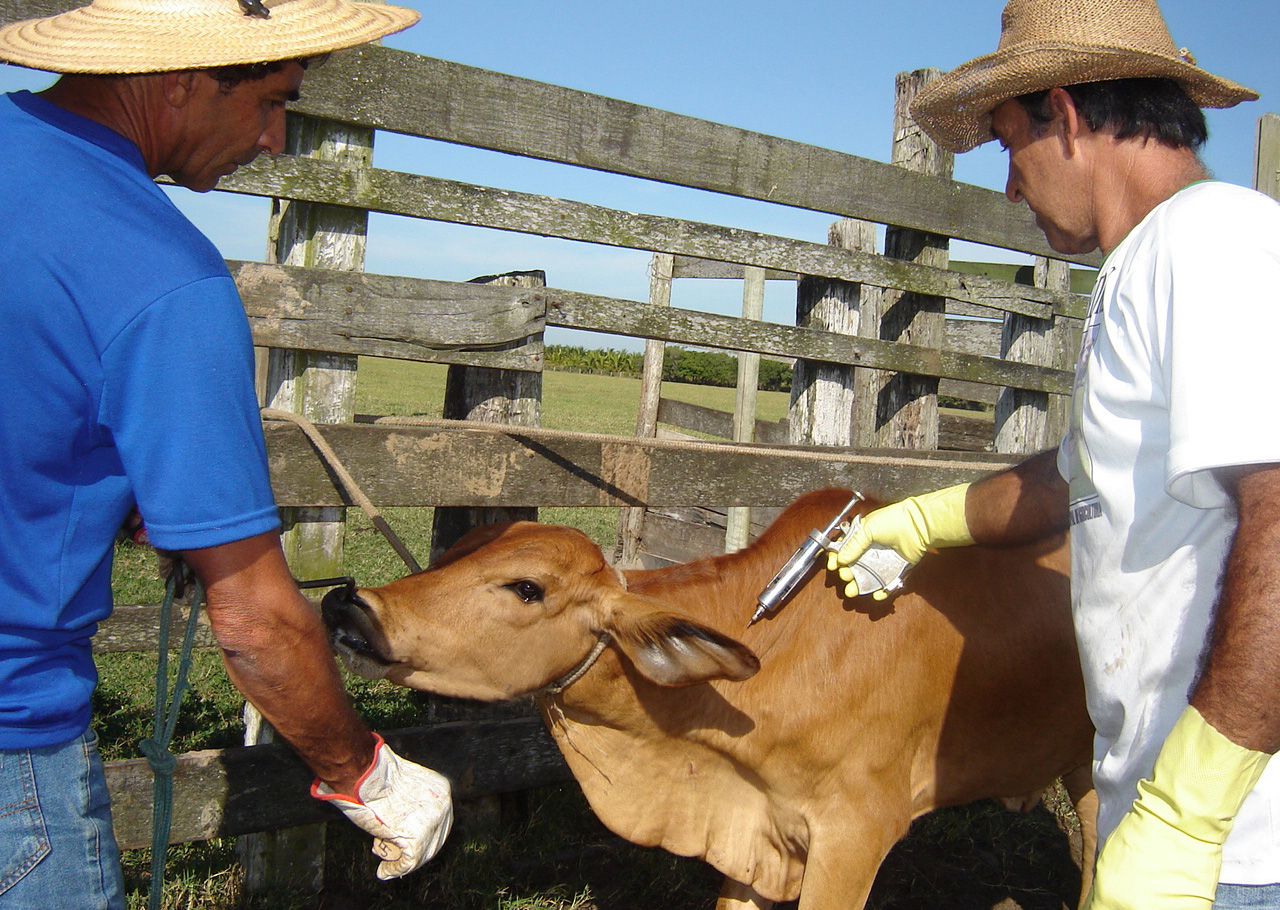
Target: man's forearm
(277,654)
(1021,505)
(1239,689)
(285,668)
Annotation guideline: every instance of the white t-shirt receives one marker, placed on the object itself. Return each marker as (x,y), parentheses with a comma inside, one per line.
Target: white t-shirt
(1176,378)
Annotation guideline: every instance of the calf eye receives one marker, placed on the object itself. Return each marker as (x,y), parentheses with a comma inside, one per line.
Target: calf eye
(526,591)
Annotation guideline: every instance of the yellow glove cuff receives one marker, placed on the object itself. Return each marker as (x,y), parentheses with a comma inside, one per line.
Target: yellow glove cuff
(1200,779)
(940,516)
(1167,851)
(911,526)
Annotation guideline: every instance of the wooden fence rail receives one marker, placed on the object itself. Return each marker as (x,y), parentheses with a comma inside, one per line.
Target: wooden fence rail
(417,196)
(231,792)
(455,322)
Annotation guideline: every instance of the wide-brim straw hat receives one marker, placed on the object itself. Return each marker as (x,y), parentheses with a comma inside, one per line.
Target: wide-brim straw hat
(150,36)
(1050,43)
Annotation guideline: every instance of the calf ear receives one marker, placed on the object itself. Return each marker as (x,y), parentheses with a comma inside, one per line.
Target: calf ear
(675,650)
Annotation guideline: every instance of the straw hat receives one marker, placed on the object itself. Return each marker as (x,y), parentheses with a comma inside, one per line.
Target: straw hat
(1050,43)
(148,36)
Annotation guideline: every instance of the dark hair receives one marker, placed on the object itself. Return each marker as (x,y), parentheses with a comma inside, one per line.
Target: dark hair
(1152,108)
(230,76)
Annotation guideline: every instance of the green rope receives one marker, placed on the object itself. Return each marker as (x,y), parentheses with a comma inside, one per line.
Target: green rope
(156,747)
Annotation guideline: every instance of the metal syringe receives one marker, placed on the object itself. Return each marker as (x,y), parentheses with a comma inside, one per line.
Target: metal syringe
(797,568)
(878,571)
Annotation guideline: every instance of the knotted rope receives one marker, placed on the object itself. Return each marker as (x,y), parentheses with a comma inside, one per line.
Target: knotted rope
(156,747)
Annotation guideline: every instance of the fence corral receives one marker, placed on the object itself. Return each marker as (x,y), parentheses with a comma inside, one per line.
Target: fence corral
(864,376)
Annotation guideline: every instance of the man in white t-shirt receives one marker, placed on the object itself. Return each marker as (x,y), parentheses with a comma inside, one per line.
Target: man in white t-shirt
(1169,478)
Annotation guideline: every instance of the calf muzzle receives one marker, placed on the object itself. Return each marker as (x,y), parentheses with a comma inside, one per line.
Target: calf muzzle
(349,622)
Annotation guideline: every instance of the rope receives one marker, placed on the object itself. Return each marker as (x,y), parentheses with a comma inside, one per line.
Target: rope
(348,482)
(156,747)
(353,490)
(564,682)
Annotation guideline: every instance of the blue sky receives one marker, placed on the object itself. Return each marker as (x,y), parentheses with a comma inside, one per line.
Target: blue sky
(810,70)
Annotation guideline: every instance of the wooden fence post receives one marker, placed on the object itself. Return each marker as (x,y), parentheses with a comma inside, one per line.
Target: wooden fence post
(737,532)
(1027,421)
(823,398)
(490,396)
(631,519)
(1266,161)
(321,387)
(907,404)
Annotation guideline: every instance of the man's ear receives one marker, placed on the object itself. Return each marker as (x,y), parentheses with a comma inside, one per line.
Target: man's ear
(1066,118)
(178,88)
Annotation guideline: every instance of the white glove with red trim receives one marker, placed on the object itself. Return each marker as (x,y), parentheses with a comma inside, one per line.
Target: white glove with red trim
(406,807)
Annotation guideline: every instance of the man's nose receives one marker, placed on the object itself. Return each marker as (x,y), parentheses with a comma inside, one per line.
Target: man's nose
(1011,188)
(272,139)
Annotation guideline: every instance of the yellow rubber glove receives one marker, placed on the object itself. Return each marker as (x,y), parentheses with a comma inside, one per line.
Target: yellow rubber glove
(1166,853)
(911,527)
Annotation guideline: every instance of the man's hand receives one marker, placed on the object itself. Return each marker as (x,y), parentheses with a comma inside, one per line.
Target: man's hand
(910,527)
(406,807)
(1166,853)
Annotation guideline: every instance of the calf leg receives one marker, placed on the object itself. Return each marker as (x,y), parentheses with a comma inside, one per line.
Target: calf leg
(842,866)
(735,895)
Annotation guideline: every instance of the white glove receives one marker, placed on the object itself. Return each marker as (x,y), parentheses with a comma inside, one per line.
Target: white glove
(406,807)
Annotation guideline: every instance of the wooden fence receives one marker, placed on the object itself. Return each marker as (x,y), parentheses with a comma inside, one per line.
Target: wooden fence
(317,311)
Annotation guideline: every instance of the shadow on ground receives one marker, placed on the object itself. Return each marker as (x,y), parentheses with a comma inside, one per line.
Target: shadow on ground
(554,855)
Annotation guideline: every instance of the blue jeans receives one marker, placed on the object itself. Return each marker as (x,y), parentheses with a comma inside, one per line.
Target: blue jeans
(57,847)
(1247,897)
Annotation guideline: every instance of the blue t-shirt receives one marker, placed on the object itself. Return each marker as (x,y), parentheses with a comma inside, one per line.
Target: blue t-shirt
(129,369)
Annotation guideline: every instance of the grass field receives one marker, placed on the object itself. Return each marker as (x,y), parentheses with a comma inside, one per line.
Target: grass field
(551,853)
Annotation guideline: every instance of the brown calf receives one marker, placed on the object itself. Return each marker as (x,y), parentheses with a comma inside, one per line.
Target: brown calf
(790,755)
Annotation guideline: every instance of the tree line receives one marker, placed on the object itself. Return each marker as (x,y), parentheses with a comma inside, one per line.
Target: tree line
(714,368)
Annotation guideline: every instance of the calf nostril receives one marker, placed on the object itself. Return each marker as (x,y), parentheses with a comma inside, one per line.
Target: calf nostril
(337,604)
(333,600)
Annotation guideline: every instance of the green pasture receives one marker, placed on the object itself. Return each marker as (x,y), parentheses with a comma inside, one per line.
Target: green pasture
(546,850)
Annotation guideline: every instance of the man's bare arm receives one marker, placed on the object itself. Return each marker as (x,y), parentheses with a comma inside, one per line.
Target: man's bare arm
(1021,505)
(1239,690)
(277,653)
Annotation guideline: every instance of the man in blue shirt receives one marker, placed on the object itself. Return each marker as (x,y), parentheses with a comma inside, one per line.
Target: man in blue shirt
(118,315)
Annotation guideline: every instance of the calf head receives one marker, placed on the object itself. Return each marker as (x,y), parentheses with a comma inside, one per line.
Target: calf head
(514,608)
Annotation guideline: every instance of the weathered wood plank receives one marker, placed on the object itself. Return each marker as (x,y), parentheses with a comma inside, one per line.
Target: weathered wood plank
(423,96)
(1266,163)
(905,414)
(825,403)
(137,628)
(631,519)
(584,311)
(226,792)
(965,432)
(417,196)
(693,267)
(391,316)
(960,432)
(698,419)
(414,466)
(682,535)
(486,395)
(1030,422)
(974,336)
(319,385)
